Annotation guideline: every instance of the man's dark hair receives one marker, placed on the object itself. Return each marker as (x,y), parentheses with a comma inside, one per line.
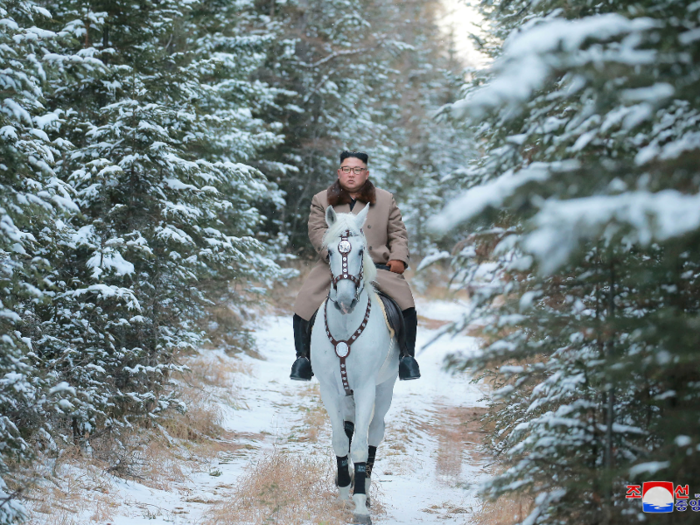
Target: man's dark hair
(357,154)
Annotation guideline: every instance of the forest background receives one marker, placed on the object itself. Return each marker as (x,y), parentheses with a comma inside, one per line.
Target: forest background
(158,157)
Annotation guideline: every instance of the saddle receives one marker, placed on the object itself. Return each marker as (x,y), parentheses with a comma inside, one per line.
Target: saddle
(394,320)
(392,316)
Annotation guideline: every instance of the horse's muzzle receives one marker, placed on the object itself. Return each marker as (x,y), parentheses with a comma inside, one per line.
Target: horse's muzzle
(346,308)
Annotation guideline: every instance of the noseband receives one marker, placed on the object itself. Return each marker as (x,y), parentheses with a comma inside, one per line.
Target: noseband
(344,248)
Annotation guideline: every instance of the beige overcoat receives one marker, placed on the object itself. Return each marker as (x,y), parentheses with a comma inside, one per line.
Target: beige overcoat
(387,240)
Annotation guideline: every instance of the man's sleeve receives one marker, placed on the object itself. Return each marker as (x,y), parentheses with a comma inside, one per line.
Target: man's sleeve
(397,235)
(317,226)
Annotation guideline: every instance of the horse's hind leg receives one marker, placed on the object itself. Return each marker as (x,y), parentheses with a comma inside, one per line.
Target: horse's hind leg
(334,407)
(382,403)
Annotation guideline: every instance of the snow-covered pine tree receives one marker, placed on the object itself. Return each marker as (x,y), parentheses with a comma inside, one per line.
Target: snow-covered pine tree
(166,201)
(33,200)
(587,205)
(232,44)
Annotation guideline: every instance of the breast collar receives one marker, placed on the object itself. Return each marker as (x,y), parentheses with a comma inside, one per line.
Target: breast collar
(342,348)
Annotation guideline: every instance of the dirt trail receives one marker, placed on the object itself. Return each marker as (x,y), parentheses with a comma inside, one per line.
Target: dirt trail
(281,468)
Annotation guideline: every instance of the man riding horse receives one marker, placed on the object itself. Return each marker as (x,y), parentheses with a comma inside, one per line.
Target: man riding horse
(387,242)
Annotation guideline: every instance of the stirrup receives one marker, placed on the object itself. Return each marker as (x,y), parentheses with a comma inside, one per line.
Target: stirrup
(301,370)
(408,368)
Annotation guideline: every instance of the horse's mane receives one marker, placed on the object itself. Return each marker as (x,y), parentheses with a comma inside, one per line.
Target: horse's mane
(346,221)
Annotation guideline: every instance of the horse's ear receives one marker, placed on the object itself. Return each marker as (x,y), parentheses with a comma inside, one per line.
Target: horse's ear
(331,216)
(362,216)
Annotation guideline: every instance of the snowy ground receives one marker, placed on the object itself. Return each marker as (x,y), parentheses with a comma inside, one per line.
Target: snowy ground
(423,468)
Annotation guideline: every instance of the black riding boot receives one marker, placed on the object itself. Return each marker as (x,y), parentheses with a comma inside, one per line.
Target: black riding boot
(301,369)
(408,366)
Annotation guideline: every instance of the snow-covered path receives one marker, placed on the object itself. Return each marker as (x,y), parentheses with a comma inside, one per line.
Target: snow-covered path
(422,468)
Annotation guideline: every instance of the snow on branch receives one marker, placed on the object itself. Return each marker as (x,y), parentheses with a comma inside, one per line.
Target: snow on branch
(493,194)
(530,56)
(560,225)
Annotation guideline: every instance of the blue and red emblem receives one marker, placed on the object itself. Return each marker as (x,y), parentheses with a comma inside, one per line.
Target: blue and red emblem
(657,497)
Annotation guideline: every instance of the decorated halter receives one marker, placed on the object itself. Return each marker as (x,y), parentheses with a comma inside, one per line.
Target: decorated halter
(342,348)
(344,248)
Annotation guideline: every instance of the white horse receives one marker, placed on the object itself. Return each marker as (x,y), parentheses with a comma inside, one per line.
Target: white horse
(353,355)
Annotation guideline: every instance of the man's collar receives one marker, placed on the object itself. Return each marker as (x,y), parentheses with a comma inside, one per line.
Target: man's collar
(338,195)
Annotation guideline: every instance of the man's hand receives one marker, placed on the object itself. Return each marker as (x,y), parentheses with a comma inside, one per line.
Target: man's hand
(396,266)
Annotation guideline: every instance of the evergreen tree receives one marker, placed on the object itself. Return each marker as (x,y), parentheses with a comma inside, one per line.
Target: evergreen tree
(428,147)
(32,201)
(166,201)
(585,211)
(127,204)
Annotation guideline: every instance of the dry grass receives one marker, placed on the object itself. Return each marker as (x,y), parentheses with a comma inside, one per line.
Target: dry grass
(201,421)
(459,434)
(226,329)
(63,490)
(505,511)
(286,489)
(58,493)
(315,416)
(463,426)
(214,371)
(69,509)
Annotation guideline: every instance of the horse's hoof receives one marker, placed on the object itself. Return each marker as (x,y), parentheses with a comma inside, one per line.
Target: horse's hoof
(361,515)
(361,519)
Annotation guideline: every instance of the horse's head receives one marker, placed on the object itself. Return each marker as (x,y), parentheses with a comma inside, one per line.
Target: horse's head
(351,266)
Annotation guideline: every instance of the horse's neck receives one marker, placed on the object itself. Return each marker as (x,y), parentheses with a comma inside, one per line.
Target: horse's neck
(342,325)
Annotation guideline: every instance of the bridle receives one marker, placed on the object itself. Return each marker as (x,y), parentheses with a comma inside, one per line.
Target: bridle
(342,348)
(344,248)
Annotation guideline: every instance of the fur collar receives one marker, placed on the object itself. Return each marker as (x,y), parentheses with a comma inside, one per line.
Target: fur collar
(337,195)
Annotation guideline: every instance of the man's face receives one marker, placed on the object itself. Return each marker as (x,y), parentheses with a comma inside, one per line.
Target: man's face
(352,181)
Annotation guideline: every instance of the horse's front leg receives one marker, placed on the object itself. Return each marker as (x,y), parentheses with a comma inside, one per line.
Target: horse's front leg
(335,407)
(364,409)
